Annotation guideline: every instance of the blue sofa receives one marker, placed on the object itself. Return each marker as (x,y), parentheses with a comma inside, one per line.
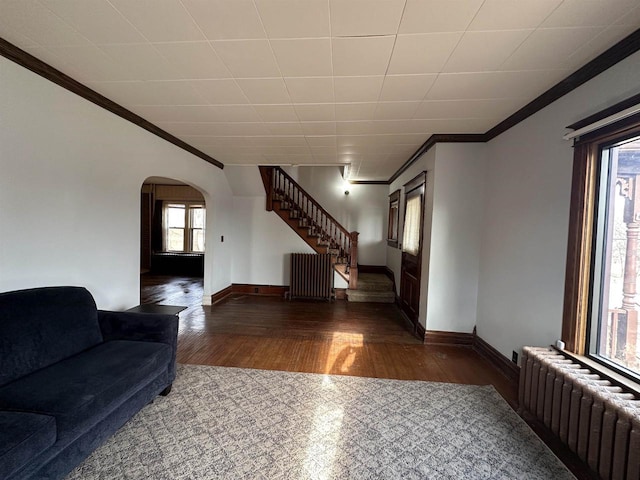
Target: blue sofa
(71,376)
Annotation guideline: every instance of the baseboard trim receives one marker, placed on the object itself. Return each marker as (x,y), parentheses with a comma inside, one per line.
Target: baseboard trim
(437,337)
(502,363)
(221,295)
(249,289)
(263,290)
(420,331)
(341,293)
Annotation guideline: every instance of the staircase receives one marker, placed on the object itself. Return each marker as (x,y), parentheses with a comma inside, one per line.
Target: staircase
(373,287)
(311,222)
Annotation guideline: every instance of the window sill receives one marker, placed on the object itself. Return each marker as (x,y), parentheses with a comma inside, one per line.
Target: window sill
(614,377)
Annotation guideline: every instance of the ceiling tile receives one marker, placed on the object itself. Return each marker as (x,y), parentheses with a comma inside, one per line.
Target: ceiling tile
(198,114)
(142,62)
(326,159)
(422,53)
(354,111)
(233,113)
(247,58)
(458,125)
(309,57)
(353,128)
(321,140)
(159,20)
(346,140)
(361,56)
(310,90)
(316,113)
(583,13)
(395,126)
(430,16)
(549,48)
(178,92)
(13,35)
(462,86)
(395,110)
(406,87)
(284,128)
(264,90)
(631,18)
(319,128)
(365,17)
(508,15)
(282,142)
(194,60)
(220,92)
(610,36)
(490,108)
(484,51)
(96,20)
(323,150)
(244,129)
(357,89)
(89,63)
(214,128)
(226,19)
(277,113)
(294,19)
(289,159)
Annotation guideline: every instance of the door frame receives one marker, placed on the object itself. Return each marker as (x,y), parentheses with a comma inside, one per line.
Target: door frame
(419,182)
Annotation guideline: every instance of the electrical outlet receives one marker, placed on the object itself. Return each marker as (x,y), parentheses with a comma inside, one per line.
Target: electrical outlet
(514,357)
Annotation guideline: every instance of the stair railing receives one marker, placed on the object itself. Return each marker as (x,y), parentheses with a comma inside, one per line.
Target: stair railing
(280,186)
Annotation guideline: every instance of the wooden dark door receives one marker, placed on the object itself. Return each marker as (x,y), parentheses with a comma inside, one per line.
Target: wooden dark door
(412,247)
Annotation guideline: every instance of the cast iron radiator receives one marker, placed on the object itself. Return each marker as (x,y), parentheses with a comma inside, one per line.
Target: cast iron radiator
(311,276)
(593,417)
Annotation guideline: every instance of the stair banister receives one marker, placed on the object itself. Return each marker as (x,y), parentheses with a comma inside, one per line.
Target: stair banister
(318,219)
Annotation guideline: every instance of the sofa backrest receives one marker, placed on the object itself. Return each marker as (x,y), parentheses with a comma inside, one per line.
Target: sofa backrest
(41,326)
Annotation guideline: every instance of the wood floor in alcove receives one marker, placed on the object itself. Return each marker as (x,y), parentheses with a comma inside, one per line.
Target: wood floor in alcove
(361,339)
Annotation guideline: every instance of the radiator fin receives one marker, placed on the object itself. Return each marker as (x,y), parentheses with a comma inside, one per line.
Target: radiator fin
(311,276)
(595,419)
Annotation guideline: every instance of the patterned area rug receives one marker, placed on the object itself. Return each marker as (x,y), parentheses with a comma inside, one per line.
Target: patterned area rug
(231,423)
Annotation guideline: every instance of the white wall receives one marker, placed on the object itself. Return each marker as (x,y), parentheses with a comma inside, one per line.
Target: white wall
(456,227)
(262,244)
(454,197)
(70,179)
(524,239)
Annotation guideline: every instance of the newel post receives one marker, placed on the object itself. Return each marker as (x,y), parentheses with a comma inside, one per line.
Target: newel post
(269,175)
(353,265)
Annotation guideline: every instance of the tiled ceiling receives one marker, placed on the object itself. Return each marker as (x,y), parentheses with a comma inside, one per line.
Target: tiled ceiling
(359,82)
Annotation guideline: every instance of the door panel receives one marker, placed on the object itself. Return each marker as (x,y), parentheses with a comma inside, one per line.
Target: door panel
(411,268)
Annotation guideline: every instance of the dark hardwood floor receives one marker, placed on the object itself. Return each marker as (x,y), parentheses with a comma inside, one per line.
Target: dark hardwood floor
(360,339)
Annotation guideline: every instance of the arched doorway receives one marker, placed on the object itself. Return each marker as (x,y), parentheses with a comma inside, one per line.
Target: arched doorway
(172,243)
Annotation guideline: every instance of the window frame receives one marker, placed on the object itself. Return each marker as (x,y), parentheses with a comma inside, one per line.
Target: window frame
(394,219)
(188,228)
(579,280)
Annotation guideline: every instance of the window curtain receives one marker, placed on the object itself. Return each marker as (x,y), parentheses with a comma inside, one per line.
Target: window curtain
(411,235)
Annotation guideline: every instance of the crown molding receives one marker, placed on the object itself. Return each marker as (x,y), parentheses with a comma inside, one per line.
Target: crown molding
(28,61)
(621,50)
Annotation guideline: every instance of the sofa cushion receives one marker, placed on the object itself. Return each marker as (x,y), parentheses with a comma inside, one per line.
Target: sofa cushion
(82,390)
(23,435)
(42,326)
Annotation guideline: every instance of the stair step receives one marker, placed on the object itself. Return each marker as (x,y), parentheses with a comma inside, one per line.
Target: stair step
(369,296)
(374,282)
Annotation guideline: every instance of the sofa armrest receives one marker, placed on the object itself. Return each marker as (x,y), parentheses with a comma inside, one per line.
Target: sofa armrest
(145,327)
